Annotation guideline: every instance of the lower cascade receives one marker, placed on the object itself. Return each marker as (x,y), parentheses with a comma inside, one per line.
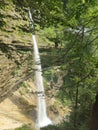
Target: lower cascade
(42,118)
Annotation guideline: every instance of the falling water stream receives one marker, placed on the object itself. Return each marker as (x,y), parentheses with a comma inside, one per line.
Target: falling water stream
(42,118)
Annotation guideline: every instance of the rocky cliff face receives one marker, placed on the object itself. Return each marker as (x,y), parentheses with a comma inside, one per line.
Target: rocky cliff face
(16,66)
(16,56)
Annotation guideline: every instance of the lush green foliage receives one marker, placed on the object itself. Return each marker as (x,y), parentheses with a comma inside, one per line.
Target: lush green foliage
(44,12)
(80,59)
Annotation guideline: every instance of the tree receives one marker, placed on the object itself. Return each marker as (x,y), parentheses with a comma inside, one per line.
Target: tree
(80,58)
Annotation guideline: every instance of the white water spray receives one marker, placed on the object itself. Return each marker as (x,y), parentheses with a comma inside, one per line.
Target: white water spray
(42,118)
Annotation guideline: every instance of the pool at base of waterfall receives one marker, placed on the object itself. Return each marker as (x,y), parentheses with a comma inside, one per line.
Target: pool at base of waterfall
(44,122)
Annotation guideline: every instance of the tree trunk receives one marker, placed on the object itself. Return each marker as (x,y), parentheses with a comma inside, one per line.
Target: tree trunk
(94,119)
(76,107)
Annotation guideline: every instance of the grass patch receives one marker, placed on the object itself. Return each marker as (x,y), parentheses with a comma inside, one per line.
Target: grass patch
(25,127)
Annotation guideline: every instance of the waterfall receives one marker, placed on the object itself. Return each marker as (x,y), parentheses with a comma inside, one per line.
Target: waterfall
(42,118)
